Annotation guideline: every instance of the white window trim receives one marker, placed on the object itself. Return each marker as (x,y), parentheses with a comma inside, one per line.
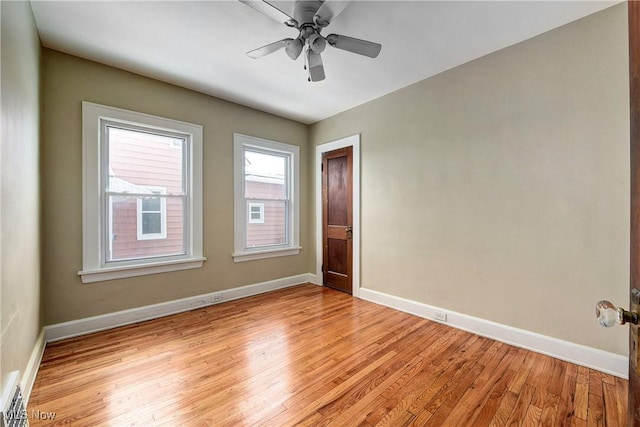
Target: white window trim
(259,220)
(163,215)
(241,253)
(94,267)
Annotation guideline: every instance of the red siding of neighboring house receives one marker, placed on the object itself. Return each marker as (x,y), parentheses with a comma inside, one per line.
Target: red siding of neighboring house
(144,160)
(273,230)
(125,231)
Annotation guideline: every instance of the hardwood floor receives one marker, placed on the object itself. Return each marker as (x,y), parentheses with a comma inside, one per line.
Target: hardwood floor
(312,356)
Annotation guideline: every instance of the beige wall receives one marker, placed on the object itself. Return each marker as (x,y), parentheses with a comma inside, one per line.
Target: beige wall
(20,318)
(500,189)
(67,81)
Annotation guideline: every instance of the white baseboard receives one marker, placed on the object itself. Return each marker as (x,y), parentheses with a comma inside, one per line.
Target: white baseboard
(125,317)
(25,381)
(30,372)
(610,363)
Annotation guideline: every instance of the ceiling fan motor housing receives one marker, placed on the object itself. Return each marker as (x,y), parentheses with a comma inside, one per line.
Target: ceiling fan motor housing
(304,11)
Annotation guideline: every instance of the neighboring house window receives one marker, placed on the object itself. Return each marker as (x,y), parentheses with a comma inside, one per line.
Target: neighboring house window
(142,194)
(266,190)
(152,215)
(256,213)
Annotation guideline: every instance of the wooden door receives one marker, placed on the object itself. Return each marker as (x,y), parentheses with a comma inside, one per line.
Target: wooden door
(633,412)
(337,219)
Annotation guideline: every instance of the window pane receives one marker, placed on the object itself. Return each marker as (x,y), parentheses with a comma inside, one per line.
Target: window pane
(124,242)
(264,175)
(139,159)
(273,230)
(151,204)
(151,223)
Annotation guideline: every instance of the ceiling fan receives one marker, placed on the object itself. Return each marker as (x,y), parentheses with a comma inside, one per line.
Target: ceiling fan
(310,18)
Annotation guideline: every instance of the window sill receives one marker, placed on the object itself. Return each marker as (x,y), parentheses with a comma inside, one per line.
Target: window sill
(112,273)
(267,253)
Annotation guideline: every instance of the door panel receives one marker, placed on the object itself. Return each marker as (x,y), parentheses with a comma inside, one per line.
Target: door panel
(337,256)
(337,214)
(337,217)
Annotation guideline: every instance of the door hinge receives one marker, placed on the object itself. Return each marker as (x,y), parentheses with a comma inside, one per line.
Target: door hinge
(321,167)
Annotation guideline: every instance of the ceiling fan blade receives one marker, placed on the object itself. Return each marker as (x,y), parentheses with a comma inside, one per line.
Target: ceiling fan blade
(361,47)
(271,11)
(270,48)
(328,11)
(314,63)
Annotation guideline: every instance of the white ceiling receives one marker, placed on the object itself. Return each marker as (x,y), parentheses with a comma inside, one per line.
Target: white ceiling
(201,45)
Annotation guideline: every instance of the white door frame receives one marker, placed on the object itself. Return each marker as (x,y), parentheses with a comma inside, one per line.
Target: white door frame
(350,141)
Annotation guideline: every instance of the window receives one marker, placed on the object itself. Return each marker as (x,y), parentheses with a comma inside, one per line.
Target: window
(152,215)
(142,194)
(256,213)
(266,198)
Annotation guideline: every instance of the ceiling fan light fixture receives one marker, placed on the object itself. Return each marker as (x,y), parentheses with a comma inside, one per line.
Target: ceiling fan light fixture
(317,43)
(294,48)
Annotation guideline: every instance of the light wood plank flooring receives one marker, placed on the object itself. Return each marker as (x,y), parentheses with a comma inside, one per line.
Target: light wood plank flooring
(312,356)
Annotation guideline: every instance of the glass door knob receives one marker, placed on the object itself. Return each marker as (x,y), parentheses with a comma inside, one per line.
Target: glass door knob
(608,314)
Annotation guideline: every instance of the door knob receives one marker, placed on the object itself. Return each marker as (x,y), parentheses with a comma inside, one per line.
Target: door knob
(608,314)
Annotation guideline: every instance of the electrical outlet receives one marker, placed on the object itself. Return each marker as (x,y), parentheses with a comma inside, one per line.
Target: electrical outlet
(440,315)
(216,298)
